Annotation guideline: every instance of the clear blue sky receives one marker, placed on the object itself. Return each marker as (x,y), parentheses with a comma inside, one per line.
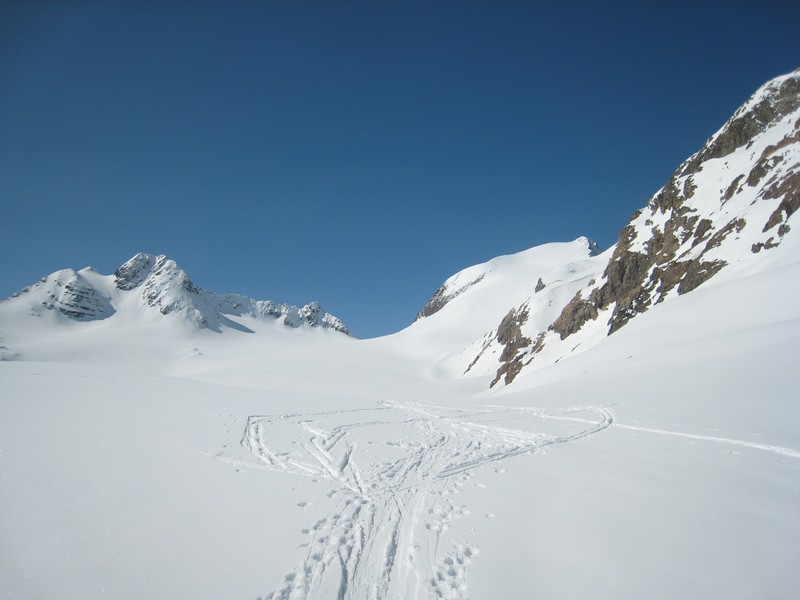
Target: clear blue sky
(354,153)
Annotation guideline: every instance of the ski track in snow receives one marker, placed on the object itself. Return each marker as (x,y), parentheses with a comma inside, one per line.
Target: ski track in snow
(782,450)
(395,471)
(710,438)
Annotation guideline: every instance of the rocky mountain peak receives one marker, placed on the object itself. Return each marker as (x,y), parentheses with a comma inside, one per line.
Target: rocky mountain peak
(591,245)
(161,284)
(147,268)
(68,293)
(164,286)
(133,272)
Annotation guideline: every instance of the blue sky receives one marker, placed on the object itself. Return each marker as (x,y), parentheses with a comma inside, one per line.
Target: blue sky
(354,153)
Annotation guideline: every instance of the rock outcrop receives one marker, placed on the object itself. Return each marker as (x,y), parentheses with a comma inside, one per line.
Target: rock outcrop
(731,199)
(448,291)
(70,294)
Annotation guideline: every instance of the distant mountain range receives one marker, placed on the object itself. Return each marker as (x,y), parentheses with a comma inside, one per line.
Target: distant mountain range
(724,213)
(147,285)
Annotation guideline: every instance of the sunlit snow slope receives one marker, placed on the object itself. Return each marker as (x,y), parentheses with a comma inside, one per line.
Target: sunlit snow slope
(724,214)
(159,443)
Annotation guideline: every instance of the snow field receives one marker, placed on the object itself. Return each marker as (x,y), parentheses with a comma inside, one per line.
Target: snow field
(397,470)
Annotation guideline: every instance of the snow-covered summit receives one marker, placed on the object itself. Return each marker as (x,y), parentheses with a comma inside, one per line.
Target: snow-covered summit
(519,266)
(154,284)
(473,301)
(68,292)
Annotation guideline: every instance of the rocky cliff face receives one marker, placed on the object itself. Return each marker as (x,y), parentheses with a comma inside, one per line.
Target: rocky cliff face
(164,286)
(676,241)
(731,199)
(70,294)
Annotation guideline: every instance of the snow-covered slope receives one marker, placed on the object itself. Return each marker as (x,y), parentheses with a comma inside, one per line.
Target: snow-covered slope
(727,209)
(474,300)
(143,454)
(669,453)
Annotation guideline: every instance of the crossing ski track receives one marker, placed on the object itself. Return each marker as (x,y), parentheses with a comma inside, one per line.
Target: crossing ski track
(395,471)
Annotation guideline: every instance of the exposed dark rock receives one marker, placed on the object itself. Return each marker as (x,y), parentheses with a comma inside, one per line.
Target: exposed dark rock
(672,256)
(509,330)
(732,188)
(747,124)
(574,316)
(71,295)
(624,275)
(703,227)
(539,286)
(82,302)
(134,272)
(669,197)
(665,279)
(624,272)
(636,280)
(761,169)
(441,297)
(767,162)
(689,187)
(434,305)
(775,218)
(509,334)
(770,243)
(789,189)
(733,225)
(786,141)
(538,343)
(698,272)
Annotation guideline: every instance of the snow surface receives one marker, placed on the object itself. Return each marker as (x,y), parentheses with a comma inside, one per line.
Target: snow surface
(171,443)
(662,463)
